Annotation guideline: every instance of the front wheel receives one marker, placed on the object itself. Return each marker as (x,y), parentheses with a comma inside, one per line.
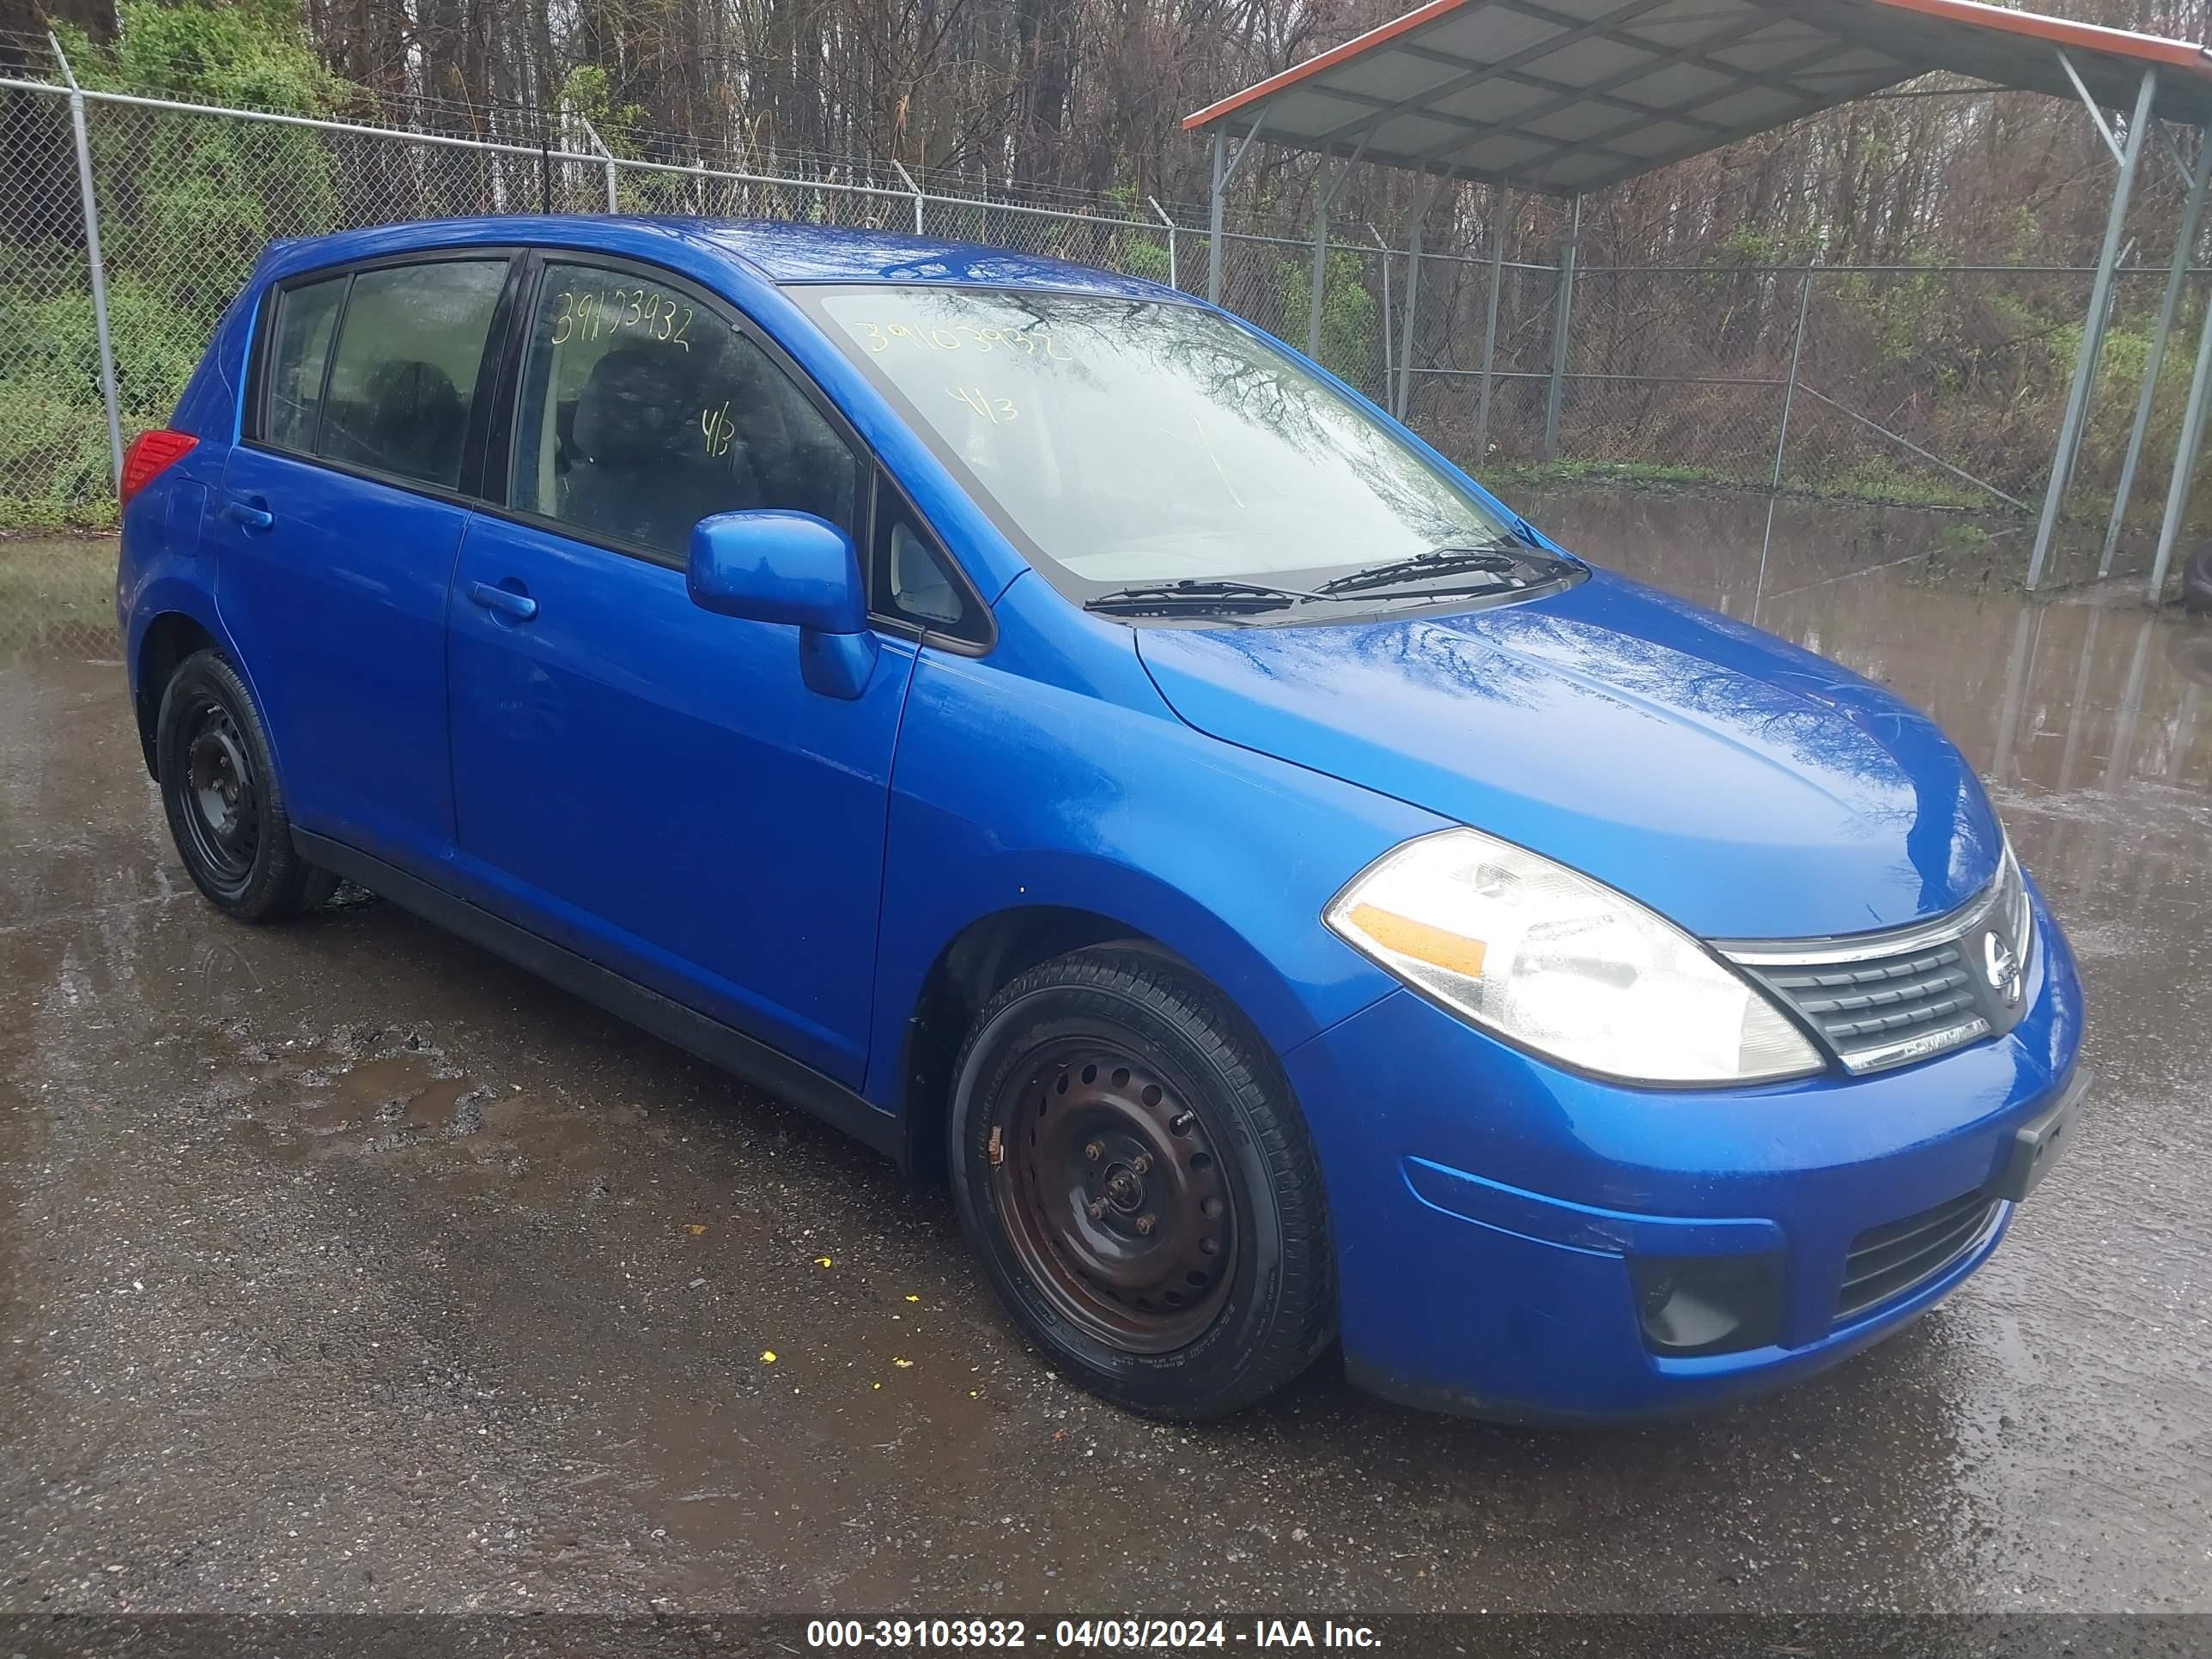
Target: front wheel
(1127,1161)
(220,791)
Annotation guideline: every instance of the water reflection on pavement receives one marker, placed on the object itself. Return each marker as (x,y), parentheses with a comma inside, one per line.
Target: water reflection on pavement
(346,1266)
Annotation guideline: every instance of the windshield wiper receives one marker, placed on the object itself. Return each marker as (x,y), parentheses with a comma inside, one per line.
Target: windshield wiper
(1190,594)
(1513,569)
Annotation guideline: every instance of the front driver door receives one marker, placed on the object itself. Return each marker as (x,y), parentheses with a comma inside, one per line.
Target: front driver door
(646,782)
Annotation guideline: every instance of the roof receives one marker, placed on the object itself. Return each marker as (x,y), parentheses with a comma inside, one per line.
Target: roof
(787,252)
(780,251)
(1570,95)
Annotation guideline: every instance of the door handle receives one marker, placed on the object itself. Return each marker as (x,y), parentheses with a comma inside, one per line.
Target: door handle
(505,600)
(250,515)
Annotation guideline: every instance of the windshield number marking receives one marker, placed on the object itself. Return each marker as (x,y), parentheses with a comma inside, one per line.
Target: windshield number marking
(997,411)
(1031,342)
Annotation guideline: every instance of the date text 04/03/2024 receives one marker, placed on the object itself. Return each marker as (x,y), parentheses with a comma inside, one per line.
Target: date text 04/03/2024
(1137,1634)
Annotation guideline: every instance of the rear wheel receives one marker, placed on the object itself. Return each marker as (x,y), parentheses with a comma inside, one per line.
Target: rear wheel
(1128,1163)
(219,790)
(2196,580)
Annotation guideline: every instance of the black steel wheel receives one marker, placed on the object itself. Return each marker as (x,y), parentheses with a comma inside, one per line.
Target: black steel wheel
(1127,1161)
(1114,1198)
(2196,580)
(220,792)
(222,795)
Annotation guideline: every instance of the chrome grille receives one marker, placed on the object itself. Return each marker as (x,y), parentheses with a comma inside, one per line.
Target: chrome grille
(1880,999)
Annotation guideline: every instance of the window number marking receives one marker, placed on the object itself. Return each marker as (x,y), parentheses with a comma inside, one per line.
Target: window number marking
(719,429)
(592,313)
(997,411)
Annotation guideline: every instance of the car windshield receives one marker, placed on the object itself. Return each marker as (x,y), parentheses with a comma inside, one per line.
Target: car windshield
(1129,442)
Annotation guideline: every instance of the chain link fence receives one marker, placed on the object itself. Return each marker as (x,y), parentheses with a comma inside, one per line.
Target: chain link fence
(1937,386)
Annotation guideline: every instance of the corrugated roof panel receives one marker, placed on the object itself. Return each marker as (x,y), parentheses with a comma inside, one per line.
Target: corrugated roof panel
(1578,172)
(1588,10)
(1311,112)
(1502,154)
(1675,84)
(1656,137)
(1416,135)
(1777,44)
(1486,34)
(1656,77)
(1857,59)
(1681,25)
(1577,120)
(1493,100)
(1586,62)
(1755,107)
(1393,75)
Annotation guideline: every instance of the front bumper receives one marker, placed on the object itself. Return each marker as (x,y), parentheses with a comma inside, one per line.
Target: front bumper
(1488,1207)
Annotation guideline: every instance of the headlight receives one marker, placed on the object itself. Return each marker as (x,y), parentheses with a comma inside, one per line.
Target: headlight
(1557,962)
(2012,901)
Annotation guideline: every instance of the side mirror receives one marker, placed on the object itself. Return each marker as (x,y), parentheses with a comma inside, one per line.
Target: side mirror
(771,566)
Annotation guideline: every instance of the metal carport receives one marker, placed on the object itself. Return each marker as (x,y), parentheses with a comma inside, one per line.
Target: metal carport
(1568,96)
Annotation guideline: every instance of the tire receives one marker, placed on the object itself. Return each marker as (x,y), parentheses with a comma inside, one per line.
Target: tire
(2196,580)
(1128,1163)
(225,806)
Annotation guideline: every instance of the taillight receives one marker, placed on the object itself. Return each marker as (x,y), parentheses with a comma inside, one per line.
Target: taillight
(150,453)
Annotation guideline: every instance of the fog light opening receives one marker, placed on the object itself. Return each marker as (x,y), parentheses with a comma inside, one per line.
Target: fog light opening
(1693,1305)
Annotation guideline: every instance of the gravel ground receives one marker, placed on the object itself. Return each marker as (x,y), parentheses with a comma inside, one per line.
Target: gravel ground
(346,1267)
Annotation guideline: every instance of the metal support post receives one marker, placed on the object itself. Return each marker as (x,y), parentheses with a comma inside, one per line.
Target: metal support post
(1421,205)
(1385,248)
(107,392)
(2184,459)
(1781,436)
(1320,265)
(1330,183)
(614,204)
(1214,219)
(1562,315)
(2075,419)
(1499,197)
(1225,172)
(915,189)
(2177,275)
(1173,281)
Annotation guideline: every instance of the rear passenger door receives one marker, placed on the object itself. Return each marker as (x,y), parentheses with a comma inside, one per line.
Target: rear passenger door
(647,782)
(339,518)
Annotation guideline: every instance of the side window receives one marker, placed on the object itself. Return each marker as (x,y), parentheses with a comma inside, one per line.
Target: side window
(298,351)
(410,345)
(640,414)
(913,579)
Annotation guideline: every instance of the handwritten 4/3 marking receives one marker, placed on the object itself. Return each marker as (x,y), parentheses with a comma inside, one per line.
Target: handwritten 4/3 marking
(1029,342)
(592,312)
(997,411)
(719,429)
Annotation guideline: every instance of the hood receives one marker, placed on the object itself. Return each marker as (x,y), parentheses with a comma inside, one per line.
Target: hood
(1737,785)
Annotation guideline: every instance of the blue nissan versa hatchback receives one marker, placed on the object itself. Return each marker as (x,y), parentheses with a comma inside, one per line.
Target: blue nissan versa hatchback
(1073,744)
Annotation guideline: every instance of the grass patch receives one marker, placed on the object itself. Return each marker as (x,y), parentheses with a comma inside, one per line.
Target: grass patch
(1878,488)
(57,589)
(1647,475)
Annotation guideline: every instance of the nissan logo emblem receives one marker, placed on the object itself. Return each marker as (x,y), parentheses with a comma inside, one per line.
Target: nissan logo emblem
(2002,967)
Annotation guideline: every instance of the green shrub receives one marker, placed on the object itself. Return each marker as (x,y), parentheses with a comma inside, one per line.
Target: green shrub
(1348,320)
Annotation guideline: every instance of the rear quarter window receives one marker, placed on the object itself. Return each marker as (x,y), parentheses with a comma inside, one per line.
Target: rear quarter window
(299,352)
